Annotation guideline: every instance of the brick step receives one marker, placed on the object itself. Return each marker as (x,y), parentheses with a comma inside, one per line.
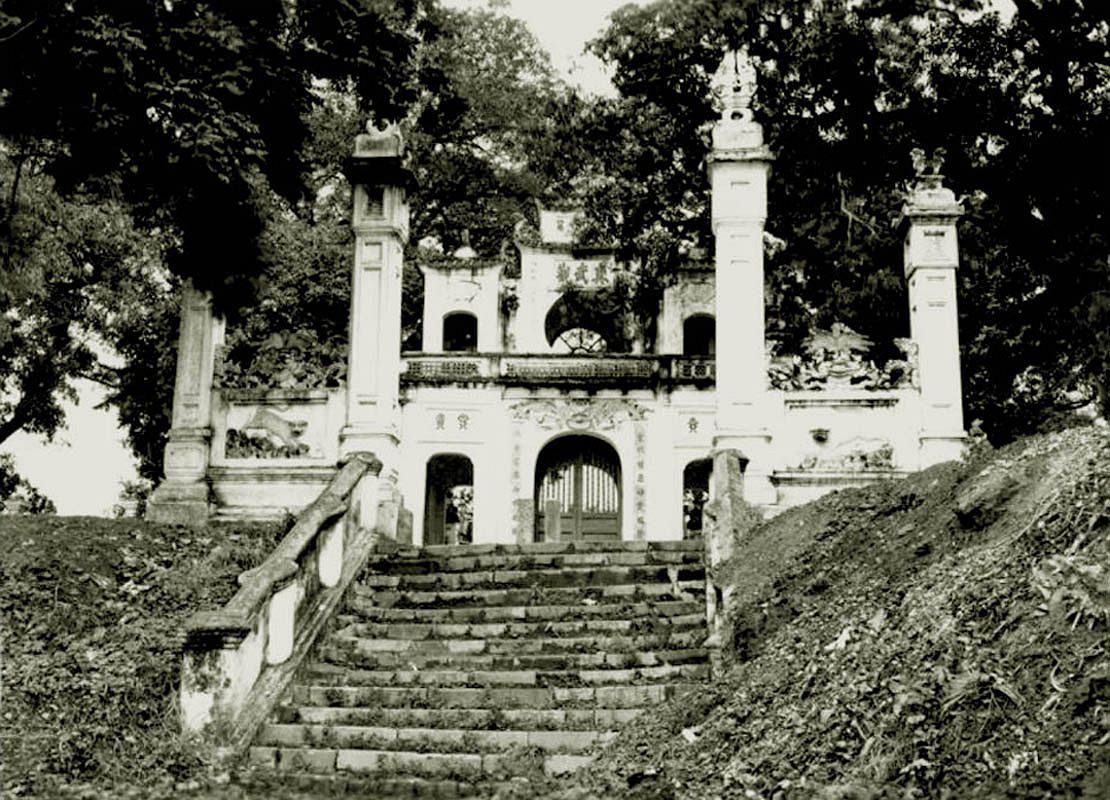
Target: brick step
(544,719)
(566,577)
(380,787)
(550,548)
(467,668)
(351,640)
(438,740)
(625,694)
(516,630)
(427,562)
(465,766)
(561,678)
(683,590)
(362,608)
(482,669)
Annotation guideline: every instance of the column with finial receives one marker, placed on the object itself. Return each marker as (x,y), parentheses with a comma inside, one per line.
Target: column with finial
(380,219)
(931,259)
(739,165)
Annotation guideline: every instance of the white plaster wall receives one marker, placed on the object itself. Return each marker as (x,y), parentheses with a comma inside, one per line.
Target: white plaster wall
(693,294)
(854,420)
(468,287)
(467,421)
(322,410)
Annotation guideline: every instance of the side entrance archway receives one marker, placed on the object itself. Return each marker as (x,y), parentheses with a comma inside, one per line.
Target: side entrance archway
(578,491)
(448,500)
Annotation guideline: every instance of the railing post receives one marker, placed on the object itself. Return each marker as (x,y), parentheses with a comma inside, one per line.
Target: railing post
(331,552)
(281,629)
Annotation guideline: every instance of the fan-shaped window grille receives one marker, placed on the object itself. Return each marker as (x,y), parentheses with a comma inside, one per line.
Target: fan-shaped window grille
(580,340)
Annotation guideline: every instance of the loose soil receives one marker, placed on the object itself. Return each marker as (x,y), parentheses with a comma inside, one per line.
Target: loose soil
(945,635)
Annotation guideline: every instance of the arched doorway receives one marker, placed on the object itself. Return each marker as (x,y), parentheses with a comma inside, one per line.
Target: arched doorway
(448,500)
(695,494)
(578,491)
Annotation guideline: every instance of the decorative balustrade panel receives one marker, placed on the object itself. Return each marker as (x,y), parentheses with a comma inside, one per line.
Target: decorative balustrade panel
(445,369)
(695,369)
(581,368)
(557,369)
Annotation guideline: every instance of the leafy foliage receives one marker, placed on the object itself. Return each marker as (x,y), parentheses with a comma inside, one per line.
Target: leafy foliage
(64,264)
(182,120)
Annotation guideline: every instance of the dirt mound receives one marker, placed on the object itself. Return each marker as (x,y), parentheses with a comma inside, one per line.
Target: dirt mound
(943,635)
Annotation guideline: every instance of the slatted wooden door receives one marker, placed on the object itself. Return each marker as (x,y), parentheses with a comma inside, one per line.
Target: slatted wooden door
(578,477)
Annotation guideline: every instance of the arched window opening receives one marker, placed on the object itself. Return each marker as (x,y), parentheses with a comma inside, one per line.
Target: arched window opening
(584,321)
(449,500)
(699,336)
(578,491)
(460,333)
(695,494)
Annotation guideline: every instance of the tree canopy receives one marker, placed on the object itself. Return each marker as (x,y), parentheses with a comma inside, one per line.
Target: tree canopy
(846,91)
(153,142)
(167,125)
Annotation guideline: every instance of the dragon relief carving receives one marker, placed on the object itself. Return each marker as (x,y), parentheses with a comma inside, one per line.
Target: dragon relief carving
(836,359)
(578,415)
(267,434)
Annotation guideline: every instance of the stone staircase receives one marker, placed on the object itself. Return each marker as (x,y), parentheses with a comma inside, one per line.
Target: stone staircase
(454,668)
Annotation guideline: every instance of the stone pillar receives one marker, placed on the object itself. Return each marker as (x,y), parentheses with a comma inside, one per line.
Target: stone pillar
(739,165)
(381,226)
(931,259)
(182,497)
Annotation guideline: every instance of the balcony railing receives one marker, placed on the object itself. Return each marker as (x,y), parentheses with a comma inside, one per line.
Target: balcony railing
(518,369)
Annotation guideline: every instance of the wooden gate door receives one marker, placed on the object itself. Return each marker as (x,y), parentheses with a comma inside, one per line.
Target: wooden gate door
(578,491)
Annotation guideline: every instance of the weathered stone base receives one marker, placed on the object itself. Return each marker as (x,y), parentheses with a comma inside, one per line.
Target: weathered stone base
(179,504)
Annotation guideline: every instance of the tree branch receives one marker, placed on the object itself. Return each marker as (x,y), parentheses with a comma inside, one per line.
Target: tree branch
(17,420)
(8,37)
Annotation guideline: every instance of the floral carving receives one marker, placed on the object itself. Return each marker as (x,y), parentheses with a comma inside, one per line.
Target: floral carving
(853,456)
(579,415)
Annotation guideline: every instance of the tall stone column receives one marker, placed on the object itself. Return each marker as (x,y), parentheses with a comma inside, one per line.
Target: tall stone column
(183,496)
(739,165)
(381,224)
(931,259)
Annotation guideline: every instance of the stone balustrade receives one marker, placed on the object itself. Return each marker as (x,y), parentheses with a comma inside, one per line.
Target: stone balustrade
(238,659)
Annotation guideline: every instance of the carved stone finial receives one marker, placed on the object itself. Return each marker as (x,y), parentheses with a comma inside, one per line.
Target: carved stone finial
(927,168)
(927,192)
(735,82)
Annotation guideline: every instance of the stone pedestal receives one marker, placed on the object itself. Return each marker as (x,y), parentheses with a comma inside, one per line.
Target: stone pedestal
(931,260)
(381,225)
(183,496)
(738,170)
